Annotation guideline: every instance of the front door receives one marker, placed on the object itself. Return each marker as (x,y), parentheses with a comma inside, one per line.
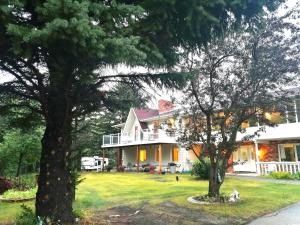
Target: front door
(244,159)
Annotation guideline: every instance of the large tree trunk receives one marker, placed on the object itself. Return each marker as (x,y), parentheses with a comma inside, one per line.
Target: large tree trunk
(214,182)
(216,176)
(55,188)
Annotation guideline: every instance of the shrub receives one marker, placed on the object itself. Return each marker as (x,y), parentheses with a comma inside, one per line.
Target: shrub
(26,217)
(296,176)
(5,185)
(14,194)
(201,169)
(281,175)
(24,182)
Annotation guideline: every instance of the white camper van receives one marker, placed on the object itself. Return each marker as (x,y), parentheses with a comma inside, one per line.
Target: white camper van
(93,163)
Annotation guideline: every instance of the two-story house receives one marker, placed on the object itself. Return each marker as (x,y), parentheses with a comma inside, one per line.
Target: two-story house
(148,137)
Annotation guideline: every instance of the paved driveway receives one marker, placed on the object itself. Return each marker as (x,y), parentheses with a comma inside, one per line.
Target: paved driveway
(286,216)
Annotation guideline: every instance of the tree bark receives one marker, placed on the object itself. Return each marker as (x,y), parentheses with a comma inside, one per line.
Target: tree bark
(55,187)
(214,183)
(19,164)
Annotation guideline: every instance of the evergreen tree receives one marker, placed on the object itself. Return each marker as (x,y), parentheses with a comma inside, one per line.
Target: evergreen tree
(56,50)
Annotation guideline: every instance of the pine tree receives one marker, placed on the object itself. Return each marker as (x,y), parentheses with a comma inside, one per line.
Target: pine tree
(56,50)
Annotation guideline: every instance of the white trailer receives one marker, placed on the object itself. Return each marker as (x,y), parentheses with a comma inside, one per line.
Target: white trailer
(93,163)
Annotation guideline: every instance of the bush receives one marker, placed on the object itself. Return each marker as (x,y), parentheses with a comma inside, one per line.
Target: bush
(296,176)
(27,217)
(24,182)
(281,175)
(5,185)
(201,169)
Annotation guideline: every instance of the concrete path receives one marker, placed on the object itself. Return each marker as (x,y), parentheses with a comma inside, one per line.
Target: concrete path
(257,178)
(286,216)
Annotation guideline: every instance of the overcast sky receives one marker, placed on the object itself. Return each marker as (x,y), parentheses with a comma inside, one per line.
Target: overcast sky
(157,94)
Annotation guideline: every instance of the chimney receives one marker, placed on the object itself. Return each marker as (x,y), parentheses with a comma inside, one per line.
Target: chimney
(164,106)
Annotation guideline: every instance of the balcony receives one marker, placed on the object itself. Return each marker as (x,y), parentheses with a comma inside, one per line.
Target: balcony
(144,137)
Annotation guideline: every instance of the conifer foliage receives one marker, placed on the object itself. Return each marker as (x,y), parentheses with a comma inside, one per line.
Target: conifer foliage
(56,52)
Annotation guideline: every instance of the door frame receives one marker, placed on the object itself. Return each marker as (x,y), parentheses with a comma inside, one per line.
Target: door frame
(250,164)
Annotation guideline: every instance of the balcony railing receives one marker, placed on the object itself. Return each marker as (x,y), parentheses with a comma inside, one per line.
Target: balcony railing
(269,167)
(145,136)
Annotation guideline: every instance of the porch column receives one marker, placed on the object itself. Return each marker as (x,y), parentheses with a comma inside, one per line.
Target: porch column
(160,158)
(257,157)
(138,158)
(119,158)
(103,155)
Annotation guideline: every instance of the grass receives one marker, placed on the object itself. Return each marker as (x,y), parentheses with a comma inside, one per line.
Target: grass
(15,194)
(104,190)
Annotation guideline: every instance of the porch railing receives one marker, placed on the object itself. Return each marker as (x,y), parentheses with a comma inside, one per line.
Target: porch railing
(268,167)
(144,136)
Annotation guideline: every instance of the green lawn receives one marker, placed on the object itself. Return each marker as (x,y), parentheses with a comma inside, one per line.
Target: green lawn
(104,190)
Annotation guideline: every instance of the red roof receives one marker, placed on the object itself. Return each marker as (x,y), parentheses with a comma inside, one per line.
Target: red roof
(145,113)
(165,106)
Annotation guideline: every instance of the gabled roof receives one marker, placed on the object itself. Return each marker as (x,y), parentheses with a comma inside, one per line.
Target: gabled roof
(145,113)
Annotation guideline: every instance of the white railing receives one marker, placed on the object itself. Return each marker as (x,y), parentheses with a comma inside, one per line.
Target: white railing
(268,167)
(143,137)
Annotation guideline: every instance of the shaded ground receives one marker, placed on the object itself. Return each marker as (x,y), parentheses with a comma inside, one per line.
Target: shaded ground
(166,213)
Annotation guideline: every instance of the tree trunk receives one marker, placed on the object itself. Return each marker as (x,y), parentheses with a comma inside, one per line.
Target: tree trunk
(55,187)
(214,182)
(19,164)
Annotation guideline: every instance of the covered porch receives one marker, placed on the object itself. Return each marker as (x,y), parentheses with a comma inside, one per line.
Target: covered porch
(265,157)
(276,149)
(160,157)
(279,156)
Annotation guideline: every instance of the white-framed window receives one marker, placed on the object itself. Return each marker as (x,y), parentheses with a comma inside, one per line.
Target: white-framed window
(292,113)
(289,152)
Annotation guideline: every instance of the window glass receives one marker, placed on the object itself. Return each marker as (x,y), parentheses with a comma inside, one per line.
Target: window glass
(175,154)
(244,155)
(287,153)
(235,156)
(143,155)
(245,124)
(291,115)
(298,108)
(253,122)
(298,152)
(275,117)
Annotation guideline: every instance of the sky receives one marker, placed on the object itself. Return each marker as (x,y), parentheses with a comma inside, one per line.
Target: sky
(157,94)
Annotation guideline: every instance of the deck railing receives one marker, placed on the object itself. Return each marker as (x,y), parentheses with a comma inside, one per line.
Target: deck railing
(143,137)
(268,167)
